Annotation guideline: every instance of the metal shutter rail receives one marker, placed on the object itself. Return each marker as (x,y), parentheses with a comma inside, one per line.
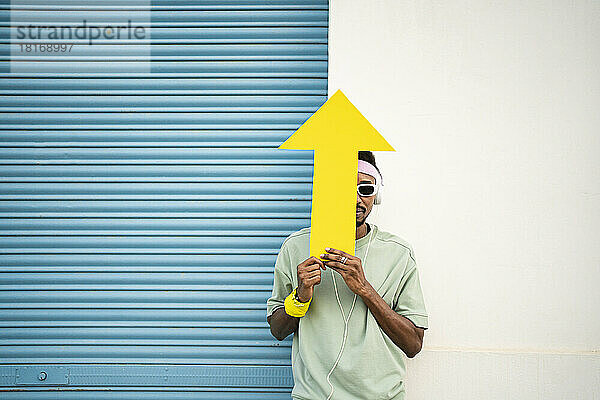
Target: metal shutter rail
(141,213)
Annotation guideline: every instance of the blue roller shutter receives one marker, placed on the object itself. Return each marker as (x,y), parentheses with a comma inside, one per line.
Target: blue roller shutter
(141,213)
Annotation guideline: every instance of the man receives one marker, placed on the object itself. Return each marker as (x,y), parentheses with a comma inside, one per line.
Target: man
(381,299)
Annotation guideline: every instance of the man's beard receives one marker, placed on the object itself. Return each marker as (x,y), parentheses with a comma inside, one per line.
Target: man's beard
(362,222)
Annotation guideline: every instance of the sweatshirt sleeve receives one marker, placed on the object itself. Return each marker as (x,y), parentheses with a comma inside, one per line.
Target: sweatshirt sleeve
(409,300)
(282,282)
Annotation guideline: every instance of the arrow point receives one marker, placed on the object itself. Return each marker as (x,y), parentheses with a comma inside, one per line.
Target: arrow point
(337,124)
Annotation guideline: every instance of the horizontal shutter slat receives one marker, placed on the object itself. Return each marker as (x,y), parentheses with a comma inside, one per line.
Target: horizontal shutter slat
(143,204)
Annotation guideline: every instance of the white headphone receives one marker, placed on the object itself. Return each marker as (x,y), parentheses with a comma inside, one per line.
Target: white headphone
(378,196)
(347,319)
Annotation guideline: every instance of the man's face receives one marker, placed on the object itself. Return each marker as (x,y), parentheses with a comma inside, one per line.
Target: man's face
(363,204)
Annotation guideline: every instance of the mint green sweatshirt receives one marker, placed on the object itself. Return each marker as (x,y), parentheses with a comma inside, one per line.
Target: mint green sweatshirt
(372,366)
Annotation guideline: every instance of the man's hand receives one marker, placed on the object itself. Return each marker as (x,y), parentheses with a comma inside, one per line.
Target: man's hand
(351,270)
(309,275)
(400,329)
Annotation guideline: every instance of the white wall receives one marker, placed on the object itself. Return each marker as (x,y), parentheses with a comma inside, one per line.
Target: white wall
(494,110)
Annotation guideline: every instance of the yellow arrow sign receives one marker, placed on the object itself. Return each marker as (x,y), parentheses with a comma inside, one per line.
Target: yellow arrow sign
(336,132)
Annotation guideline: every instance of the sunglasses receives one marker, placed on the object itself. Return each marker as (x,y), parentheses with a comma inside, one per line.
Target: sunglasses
(367,189)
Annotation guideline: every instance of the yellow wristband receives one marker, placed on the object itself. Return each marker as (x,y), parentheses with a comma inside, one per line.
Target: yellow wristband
(295,308)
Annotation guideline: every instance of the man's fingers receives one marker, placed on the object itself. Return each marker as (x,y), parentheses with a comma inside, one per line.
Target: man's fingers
(336,257)
(309,261)
(316,259)
(336,251)
(319,262)
(312,267)
(336,266)
(311,275)
(313,281)
(305,262)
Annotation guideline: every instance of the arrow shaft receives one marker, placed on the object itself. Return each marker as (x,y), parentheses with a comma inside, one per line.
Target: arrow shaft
(333,217)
